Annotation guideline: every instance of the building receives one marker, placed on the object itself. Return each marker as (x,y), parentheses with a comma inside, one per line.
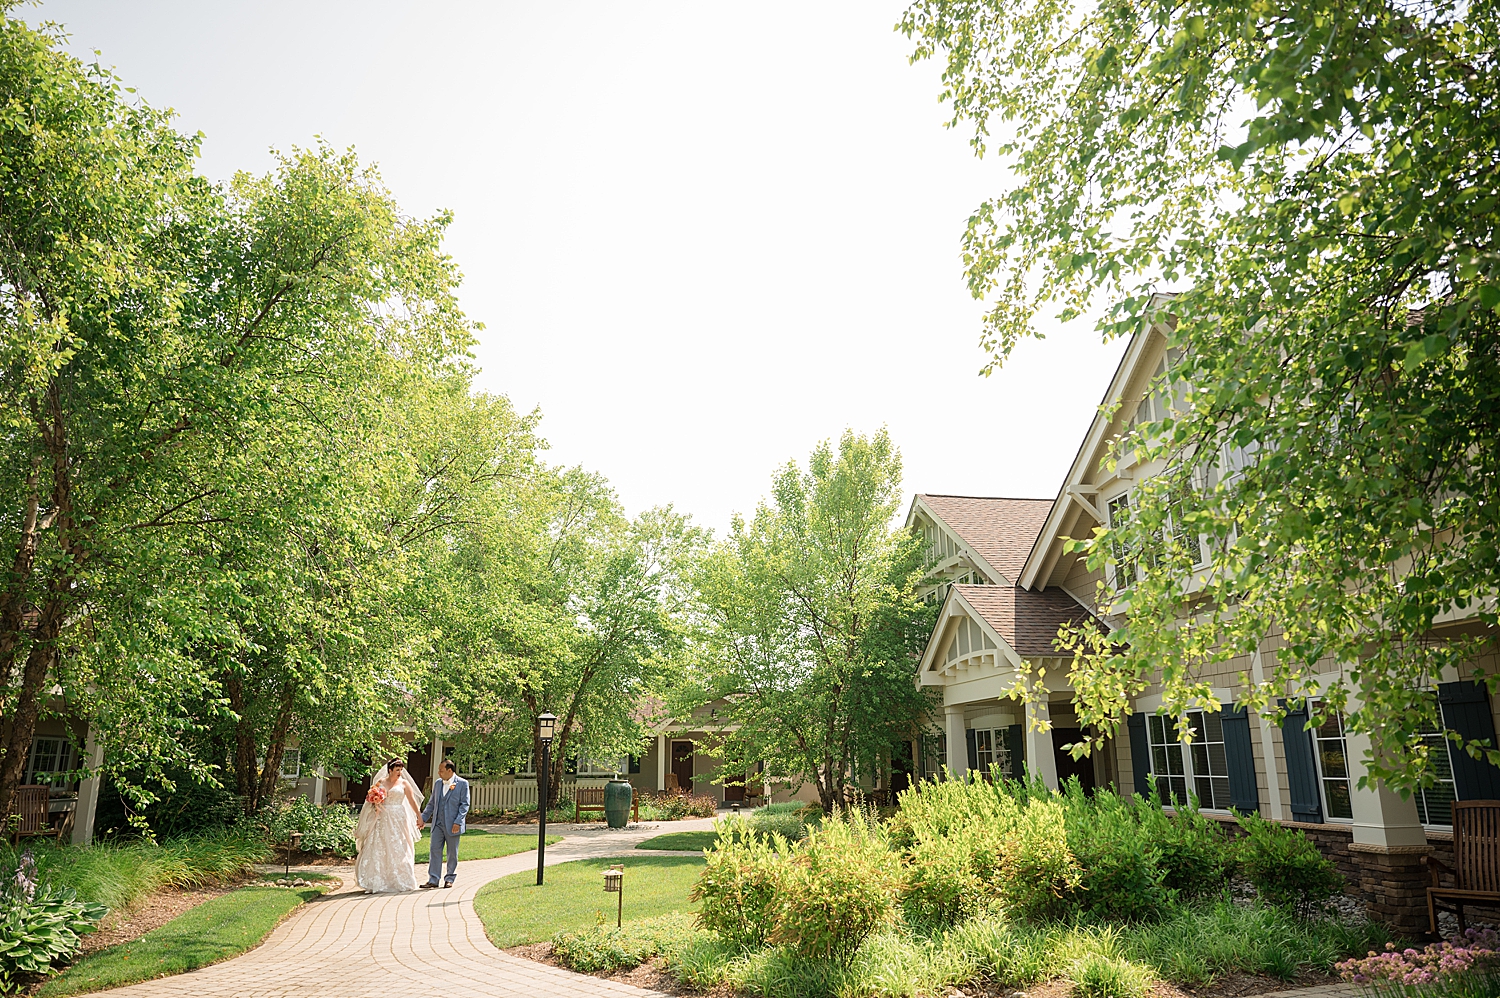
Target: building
(1006,584)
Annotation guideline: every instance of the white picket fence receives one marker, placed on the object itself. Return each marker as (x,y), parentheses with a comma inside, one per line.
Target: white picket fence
(502,795)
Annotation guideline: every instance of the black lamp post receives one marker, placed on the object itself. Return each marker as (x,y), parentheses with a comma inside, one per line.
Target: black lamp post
(545,724)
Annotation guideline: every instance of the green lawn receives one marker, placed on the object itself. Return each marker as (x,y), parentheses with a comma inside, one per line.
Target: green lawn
(215,930)
(681,840)
(479,844)
(515,910)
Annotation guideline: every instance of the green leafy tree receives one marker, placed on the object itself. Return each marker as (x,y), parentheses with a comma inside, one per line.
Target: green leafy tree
(811,625)
(1318,178)
(564,606)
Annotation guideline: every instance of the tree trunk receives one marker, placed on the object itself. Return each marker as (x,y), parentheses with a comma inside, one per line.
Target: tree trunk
(244,743)
(33,692)
(276,748)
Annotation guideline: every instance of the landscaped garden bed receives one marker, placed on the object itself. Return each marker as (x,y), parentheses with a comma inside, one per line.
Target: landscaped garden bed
(985,888)
(653,807)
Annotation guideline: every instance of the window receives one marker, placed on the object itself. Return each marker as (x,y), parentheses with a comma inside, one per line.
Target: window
(1121,568)
(50,760)
(934,754)
(1435,803)
(991,750)
(291,764)
(1210,764)
(1167,768)
(1333,768)
(608,767)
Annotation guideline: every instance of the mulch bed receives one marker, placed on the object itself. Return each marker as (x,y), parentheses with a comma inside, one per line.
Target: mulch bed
(653,975)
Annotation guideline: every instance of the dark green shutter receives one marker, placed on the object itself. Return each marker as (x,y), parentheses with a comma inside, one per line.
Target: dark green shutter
(1301,770)
(1243,793)
(1466,709)
(1140,754)
(1015,744)
(973,750)
(634,765)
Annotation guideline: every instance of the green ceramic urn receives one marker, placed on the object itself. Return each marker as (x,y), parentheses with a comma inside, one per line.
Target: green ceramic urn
(617,795)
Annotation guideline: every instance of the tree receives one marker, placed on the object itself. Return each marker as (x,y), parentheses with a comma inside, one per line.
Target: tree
(811,625)
(201,398)
(1318,178)
(564,606)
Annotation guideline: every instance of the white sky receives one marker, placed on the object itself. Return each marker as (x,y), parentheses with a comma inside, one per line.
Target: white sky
(701,237)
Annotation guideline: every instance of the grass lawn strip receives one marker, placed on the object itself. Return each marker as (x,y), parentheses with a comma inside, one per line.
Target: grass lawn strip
(515,911)
(216,930)
(673,841)
(479,844)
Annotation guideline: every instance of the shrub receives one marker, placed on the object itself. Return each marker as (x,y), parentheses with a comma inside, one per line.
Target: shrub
(323,828)
(1285,867)
(1197,858)
(839,886)
(739,884)
(39,925)
(1038,872)
(188,807)
(675,807)
(1119,855)
(605,948)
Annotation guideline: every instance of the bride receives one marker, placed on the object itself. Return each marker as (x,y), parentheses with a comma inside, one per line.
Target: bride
(386,834)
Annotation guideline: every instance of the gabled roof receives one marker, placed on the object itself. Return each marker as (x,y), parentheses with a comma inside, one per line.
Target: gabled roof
(1027,619)
(999,531)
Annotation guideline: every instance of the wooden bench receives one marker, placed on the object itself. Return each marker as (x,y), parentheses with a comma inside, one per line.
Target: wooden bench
(1476,863)
(592,799)
(28,810)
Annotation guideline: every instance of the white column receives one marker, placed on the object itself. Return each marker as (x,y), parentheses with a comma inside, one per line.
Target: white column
(1381,817)
(663,744)
(319,786)
(1267,745)
(958,745)
(88,793)
(1039,758)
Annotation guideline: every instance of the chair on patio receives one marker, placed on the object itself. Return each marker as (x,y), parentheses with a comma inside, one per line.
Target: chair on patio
(1476,863)
(28,812)
(672,787)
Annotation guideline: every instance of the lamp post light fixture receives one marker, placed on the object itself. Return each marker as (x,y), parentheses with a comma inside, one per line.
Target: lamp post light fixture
(295,843)
(546,725)
(614,883)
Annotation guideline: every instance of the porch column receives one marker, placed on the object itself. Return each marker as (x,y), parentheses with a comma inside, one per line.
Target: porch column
(88,793)
(319,786)
(1039,758)
(958,746)
(1267,745)
(1381,817)
(437,753)
(663,745)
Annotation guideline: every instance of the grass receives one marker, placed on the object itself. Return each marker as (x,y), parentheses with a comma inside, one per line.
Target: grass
(117,874)
(479,844)
(681,840)
(1191,948)
(216,930)
(516,911)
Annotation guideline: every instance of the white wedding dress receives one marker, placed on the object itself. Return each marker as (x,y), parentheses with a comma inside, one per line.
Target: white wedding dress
(386,837)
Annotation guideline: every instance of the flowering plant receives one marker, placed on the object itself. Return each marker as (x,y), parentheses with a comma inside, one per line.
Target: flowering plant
(1475,951)
(375,795)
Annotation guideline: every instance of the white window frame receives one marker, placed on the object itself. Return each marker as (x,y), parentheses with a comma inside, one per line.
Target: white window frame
(63,747)
(1341,740)
(996,751)
(1441,749)
(1186,753)
(296,772)
(1112,563)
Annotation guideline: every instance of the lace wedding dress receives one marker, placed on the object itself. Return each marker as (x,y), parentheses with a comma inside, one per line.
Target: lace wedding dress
(386,838)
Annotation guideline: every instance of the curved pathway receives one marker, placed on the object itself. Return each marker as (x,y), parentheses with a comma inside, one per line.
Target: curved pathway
(379,945)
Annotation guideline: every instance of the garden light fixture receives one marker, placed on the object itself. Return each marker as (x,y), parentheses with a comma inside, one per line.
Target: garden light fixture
(614,883)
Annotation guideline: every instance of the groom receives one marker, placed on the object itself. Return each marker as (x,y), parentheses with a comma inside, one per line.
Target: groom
(447,806)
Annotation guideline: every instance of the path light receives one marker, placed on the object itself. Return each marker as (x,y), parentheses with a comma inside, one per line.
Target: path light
(296,843)
(614,883)
(546,726)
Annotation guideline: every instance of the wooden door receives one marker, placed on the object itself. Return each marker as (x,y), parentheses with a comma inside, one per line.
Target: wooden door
(1068,766)
(682,765)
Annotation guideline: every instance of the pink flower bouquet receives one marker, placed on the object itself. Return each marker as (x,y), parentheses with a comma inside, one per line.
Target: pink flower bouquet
(375,795)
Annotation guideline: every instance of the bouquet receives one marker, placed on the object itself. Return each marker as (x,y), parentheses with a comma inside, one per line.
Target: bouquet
(375,795)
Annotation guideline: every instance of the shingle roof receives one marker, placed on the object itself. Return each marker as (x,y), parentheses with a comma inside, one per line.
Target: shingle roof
(1028,620)
(1001,531)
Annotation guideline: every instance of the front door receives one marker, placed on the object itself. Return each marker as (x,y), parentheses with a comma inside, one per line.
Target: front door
(682,765)
(1068,766)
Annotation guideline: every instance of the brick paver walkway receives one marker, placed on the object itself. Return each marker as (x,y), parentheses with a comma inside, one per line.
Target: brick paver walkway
(354,945)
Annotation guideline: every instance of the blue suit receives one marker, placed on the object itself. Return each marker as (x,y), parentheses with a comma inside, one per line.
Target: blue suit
(445,809)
